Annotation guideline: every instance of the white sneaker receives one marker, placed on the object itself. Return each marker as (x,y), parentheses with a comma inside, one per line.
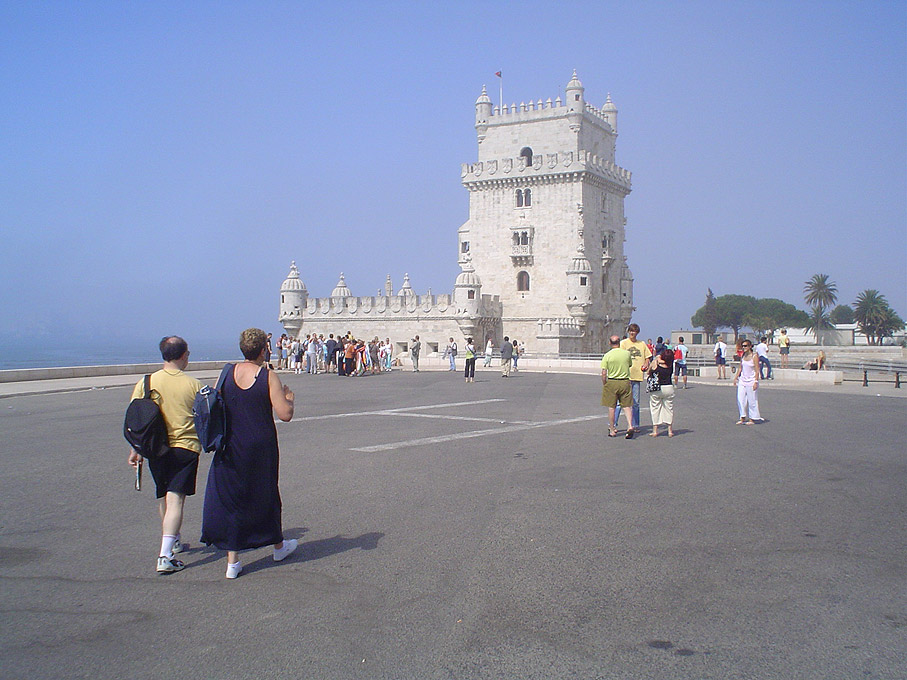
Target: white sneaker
(234,570)
(179,547)
(168,565)
(288,547)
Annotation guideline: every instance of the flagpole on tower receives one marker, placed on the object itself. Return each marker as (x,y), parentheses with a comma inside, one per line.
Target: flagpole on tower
(501,78)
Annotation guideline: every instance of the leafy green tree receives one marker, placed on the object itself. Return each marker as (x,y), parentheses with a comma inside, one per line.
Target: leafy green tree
(841,314)
(820,293)
(875,317)
(732,311)
(769,314)
(706,317)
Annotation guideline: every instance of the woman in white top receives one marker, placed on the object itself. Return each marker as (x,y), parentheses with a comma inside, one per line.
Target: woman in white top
(489,350)
(747,382)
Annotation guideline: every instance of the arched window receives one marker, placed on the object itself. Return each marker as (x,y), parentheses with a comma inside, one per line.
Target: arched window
(519,198)
(526,153)
(522,281)
(470,295)
(524,238)
(527,197)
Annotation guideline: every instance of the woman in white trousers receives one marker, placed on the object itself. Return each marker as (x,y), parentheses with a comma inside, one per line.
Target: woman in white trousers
(747,382)
(661,403)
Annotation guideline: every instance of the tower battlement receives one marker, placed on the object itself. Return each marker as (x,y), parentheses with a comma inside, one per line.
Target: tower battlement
(544,165)
(539,110)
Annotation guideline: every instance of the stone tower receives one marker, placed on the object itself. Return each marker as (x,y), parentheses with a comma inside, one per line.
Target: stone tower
(546,220)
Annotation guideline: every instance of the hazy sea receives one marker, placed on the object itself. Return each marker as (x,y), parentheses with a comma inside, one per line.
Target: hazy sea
(48,352)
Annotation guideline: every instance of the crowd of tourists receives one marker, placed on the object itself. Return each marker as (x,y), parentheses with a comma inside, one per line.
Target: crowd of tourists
(344,355)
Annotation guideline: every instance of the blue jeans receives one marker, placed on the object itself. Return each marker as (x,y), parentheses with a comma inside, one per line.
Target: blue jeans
(765,363)
(634,420)
(453,361)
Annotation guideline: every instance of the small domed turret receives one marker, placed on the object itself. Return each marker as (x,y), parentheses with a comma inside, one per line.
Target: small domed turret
(406,290)
(340,290)
(292,282)
(468,292)
(610,112)
(293,298)
(575,89)
(579,286)
(483,113)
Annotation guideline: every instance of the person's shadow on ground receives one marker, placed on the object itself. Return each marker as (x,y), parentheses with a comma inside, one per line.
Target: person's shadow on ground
(312,550)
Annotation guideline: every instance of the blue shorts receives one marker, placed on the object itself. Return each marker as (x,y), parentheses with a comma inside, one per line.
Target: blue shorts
(720,361)
(680,369)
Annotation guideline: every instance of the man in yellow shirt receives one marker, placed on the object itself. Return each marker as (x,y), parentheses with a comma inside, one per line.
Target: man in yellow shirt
(639,364)
(174,473)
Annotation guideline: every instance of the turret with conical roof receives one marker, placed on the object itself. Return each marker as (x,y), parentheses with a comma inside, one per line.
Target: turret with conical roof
(609,111)
(579,286)
(293,298)
(340,290)
(406,290)
(575,89)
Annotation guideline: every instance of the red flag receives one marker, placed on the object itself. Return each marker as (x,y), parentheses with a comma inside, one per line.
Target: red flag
(498,74)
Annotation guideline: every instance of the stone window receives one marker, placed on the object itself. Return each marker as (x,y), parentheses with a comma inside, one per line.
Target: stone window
(526,153)
(583,281)
(281,299)
(522,281)
(527,197)
(464,246)
(470,295)
(519,198)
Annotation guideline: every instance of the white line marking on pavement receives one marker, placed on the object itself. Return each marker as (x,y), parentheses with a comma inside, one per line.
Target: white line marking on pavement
(469,435)
(438,416)
(395,411)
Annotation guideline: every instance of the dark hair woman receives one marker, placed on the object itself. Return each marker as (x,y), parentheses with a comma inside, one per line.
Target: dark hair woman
(661,403)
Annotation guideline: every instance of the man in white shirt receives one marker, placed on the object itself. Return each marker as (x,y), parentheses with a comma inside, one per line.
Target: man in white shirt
(764,364)
(721,358)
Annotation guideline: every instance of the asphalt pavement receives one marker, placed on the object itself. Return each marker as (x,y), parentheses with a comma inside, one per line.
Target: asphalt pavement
(486,530)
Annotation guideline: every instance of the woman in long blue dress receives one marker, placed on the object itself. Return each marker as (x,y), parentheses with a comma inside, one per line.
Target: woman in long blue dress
(242,502)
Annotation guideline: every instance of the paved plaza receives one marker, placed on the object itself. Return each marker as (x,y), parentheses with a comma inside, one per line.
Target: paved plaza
(487,530)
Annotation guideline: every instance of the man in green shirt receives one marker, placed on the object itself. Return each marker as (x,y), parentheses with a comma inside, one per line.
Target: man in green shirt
(616,385)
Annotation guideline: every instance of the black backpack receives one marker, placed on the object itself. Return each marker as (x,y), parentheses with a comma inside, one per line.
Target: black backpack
(144,426)
(210,415)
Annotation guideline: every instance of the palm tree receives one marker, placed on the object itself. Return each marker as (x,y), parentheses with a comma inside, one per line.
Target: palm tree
(871,312)
(820,294)
(818,321)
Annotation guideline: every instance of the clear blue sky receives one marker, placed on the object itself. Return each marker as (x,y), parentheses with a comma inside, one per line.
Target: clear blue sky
(161,163)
